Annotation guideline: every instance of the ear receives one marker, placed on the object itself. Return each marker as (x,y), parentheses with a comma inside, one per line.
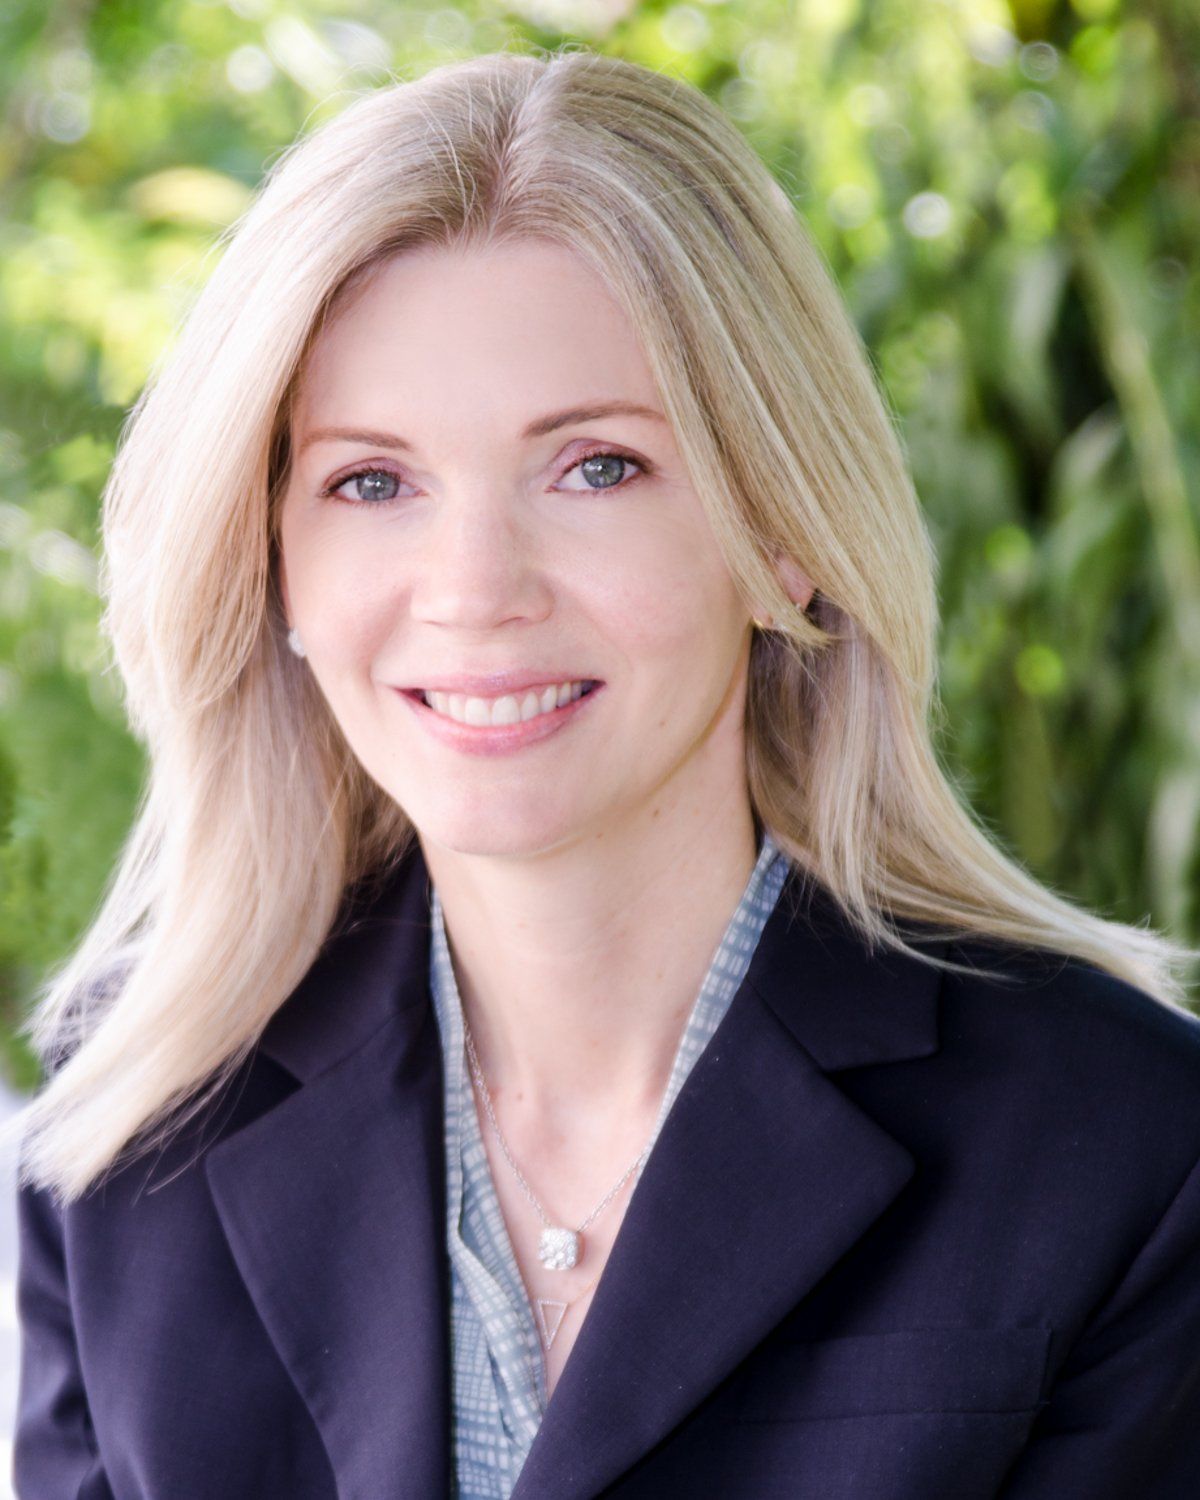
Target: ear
(797,584)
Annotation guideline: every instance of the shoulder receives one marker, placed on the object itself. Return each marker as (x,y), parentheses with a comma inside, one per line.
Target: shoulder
(1064,1028)
(1066,999)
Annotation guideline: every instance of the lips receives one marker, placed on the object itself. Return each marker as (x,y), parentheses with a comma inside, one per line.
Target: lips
(498,739)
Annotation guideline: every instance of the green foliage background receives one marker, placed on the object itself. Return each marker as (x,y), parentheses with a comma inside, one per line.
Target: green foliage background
(1009,194)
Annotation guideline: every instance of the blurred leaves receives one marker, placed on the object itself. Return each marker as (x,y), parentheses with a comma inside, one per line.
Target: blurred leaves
(1009,194)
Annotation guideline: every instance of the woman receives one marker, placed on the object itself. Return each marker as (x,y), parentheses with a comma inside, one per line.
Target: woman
(554,1030)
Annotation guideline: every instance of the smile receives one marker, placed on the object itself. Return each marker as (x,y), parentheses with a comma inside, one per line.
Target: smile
(509,708)
(498,726)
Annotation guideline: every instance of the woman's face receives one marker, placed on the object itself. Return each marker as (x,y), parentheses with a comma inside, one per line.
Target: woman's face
(448,514)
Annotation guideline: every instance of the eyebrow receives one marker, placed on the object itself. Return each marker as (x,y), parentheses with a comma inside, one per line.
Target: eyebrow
(592,412)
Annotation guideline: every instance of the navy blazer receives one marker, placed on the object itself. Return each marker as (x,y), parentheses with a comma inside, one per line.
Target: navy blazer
(905,1235)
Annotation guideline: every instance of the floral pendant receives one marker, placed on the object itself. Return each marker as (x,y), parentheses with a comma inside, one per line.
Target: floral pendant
(558,1249)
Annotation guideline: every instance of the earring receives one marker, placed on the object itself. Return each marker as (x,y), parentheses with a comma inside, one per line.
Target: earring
(294,641)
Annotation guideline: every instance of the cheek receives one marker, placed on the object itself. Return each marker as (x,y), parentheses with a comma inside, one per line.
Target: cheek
(336,598)
(668,600)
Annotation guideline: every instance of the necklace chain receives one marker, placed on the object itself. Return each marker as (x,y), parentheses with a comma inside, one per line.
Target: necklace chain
(477,1073)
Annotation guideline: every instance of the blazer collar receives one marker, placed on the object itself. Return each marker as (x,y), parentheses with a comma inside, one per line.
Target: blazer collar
(333,1199)
(374,970)
(371,971)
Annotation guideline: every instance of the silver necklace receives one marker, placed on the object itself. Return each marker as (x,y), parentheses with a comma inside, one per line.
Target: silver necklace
(559,1247)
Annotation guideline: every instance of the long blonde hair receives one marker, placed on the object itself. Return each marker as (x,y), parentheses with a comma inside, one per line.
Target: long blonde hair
(256,818)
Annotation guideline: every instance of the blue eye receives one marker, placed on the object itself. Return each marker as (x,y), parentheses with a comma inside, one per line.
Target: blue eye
(373,495)
(603,465)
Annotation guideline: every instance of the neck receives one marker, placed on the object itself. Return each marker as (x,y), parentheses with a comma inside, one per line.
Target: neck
(577,971)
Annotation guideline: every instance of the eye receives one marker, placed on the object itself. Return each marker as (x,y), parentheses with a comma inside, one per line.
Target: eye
(376,487)
(601,469)
(604,465)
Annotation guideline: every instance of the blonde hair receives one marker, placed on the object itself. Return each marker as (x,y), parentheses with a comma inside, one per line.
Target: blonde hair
(256,818)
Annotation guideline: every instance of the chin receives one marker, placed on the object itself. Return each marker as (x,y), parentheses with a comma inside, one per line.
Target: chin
(496,831)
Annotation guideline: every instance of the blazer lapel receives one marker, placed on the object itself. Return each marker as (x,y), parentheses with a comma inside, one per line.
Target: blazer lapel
(333,1203)
(764,1175)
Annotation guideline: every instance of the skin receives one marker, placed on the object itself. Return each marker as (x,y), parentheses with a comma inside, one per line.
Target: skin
(580,918)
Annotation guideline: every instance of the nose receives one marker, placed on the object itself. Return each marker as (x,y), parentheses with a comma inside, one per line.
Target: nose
(478,566)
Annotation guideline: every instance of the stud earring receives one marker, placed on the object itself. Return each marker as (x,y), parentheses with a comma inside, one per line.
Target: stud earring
(294,641)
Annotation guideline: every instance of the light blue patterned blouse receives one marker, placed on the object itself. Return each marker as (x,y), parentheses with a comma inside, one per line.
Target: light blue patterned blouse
(499,1380)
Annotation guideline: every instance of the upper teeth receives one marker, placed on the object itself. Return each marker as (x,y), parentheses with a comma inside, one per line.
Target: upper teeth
(510,709)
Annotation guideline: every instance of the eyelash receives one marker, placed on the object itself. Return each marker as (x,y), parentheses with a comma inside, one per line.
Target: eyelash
(600,451)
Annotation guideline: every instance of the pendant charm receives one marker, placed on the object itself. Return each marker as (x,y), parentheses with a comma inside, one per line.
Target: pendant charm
(558,1249)
(550,1316)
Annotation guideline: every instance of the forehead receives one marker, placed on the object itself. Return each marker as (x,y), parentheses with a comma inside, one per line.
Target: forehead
(530,323)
